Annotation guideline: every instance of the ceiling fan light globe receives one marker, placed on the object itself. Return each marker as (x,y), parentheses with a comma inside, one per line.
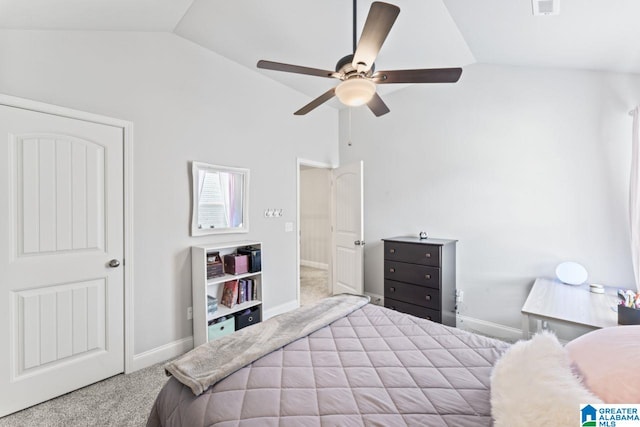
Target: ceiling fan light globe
(355,92)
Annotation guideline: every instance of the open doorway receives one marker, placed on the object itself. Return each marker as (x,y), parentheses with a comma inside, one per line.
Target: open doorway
(314,231)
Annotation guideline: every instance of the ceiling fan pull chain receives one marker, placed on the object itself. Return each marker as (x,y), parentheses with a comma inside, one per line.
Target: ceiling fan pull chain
(349,143)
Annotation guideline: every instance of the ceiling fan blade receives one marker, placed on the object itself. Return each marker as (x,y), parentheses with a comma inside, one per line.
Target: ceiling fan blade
(279,66)
(377,105)
(379,22)
(316,102)
(427,75)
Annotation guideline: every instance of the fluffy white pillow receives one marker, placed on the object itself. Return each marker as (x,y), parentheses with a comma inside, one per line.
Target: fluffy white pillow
(533,384)
(607,358)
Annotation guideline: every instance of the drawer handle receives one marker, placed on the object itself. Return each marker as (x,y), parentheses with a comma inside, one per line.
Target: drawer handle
(392,251)
(222,328)
(428,255)
(392,289)
(392,270)
(428,297)
(250,319)
(427,276)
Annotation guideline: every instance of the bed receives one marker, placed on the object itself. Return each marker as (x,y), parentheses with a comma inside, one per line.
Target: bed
(341,362)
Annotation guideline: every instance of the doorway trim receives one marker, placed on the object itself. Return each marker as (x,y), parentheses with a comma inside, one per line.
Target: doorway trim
(315,164)
(127,138)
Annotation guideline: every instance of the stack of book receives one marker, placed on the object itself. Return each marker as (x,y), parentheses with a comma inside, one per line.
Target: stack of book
(247,291)
(239,291)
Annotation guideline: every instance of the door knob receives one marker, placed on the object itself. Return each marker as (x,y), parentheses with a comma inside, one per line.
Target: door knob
(359,243)
(114,263)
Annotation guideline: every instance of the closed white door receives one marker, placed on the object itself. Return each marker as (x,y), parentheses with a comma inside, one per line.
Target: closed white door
(348,229)
(61,223)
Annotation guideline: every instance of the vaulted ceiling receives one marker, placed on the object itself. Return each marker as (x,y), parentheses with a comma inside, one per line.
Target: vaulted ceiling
(587,34)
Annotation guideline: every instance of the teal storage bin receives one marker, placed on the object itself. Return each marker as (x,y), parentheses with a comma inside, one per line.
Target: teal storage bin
(220,329)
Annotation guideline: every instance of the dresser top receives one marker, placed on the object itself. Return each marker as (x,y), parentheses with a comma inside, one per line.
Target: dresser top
(411,239)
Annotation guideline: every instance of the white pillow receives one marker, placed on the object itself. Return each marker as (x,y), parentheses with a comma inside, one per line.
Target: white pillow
(533,384)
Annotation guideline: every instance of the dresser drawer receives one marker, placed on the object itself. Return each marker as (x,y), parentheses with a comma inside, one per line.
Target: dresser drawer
(412,273)
(413,253)
(418,295)
(414,310)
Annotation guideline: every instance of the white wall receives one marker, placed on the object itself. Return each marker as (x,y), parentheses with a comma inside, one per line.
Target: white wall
(186,104)
(315,217)
(525,167)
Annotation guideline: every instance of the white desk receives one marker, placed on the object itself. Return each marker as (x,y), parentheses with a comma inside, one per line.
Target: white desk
(553,300)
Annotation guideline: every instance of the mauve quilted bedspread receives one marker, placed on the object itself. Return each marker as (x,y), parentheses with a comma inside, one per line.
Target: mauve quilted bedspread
(374,367)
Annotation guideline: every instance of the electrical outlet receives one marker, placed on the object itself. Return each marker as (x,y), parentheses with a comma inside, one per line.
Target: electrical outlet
(189,313)
(377,301)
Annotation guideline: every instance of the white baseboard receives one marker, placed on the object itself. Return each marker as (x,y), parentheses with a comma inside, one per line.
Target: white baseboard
(375,298)
(314,264)
(160,354)
(282,308)
(483,327)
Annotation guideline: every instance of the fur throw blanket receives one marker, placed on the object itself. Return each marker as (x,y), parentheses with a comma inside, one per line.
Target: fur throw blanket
(533,384)
(211,362)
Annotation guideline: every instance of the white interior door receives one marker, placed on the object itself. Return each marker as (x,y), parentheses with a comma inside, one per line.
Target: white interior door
(61,223)
(348,229)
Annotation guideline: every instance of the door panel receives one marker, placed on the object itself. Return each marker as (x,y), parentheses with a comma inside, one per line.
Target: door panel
(348,229)
(61,306)
(57,322)
(61,200)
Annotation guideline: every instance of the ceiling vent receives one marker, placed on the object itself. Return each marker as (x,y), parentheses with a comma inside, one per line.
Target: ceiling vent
(545,7)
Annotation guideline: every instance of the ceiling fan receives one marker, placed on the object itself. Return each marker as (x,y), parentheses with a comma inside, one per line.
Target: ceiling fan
(357,72)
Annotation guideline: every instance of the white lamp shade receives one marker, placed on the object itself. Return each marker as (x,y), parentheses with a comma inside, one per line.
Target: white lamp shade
(571,273)
(355,91)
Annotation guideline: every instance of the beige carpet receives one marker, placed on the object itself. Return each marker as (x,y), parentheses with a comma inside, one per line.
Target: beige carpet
(123,400)
(313,285)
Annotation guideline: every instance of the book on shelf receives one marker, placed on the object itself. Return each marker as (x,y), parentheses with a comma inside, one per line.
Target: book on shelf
(254,294)
(230,293)
(242,291)
(250,290)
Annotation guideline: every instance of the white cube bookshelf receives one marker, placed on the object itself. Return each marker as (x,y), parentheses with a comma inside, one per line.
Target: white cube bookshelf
(201,286)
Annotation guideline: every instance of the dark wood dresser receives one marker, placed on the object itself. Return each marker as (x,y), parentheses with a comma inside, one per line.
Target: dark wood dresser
(420,277)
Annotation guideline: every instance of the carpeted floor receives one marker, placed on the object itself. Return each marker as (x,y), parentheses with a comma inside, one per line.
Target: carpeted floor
(123,400)
(313,284)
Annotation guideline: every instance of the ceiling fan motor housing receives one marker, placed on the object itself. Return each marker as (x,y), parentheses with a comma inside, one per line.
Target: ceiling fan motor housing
(345,66)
